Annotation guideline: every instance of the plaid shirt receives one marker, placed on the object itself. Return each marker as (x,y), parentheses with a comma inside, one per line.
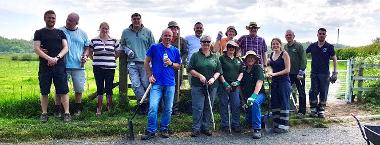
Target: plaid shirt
(256,44)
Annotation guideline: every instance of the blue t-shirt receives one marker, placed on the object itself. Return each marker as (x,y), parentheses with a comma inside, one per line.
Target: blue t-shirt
(193,44)
(77,41)
(163,75)
(320,57)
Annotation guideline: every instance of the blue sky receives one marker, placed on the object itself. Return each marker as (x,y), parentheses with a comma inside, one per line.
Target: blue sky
(358,20)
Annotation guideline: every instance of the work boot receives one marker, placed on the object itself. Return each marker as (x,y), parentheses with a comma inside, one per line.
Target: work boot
(256,134)
(148,136)
(100,105)
(78,109)
(66,117)
(44,117)
(109,102)
(195,134)
(321,114)
(58,111)
(164,134)
(206,132)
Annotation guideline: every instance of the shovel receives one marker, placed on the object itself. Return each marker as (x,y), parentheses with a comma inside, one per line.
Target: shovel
(209,102)
(131,135)
(268,122)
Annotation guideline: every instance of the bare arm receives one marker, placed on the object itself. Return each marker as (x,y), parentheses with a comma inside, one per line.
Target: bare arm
(147,66)
(217,46)
(285,71)
(65,49)
(39,52)
(258,86)
(240,77)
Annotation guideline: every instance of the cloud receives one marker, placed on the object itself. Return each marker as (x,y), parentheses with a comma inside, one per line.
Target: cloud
(346,2)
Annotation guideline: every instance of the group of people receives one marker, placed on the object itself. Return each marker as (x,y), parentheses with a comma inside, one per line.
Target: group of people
(232,69)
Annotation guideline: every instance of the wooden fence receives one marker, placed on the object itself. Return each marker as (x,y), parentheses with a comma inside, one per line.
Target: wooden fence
(359,78)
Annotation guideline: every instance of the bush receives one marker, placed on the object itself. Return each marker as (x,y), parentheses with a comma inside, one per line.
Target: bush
(26,57)
(369,50)
(14,58)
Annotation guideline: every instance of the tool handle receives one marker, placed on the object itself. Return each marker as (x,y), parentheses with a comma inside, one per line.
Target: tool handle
(146,93)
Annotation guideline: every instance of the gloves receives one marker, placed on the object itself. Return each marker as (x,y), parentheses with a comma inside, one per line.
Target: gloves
(333,77)
(251,99)
(226,85)
(235,83)
(220,35)
(300,74)
(129,53)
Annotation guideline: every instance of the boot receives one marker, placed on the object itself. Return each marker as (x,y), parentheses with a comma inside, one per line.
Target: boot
(78,109)
(109,102)
(100,105)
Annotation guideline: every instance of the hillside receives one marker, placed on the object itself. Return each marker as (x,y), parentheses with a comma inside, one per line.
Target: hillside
(15,45)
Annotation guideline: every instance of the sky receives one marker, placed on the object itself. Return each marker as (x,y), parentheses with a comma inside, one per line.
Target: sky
(358,21)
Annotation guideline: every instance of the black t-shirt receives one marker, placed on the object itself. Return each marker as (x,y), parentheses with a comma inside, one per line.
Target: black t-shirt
(51,40)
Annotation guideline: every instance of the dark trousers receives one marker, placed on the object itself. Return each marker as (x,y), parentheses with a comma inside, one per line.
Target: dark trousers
(300,84)
(280,96)
(104,80)
(319,86)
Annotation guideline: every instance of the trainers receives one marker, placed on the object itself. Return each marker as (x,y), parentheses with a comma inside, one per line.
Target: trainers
(58,111)
(195,134)
(77,113)
(206,132)
(321,115)
(164,134)
(148,136)
(256,134)
(313,114)
(279,130)
(236,129)
(66,117)
(44,117)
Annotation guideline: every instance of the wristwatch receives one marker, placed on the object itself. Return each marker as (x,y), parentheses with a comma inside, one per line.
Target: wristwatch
(59,57)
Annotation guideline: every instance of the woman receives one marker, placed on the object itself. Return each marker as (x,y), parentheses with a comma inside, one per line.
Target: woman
(229,94)
(205,69)
(104,63)
(220,44)
(280,93)
(253,90)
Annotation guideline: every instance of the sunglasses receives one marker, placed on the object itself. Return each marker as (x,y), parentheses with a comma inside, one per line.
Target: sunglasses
(206,41)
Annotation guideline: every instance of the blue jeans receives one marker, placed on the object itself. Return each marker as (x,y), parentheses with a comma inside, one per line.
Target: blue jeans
(254,113)
(158,91)
(233,100)
(201,107)
(138,78)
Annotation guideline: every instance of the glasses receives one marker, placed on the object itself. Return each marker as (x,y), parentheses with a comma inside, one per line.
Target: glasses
(206,41)
(136,19)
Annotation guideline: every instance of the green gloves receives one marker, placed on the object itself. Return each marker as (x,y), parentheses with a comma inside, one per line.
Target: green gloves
(251,99)
(235,83)
(226,85)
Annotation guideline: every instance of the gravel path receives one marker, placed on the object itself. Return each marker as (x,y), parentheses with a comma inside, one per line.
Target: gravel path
(336,134)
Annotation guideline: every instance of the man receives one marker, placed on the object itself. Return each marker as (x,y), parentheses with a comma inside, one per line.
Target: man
(321,53)
(135,40)
(193,42)
(181,44)
(52,66)
(297,70)
(254,42)
(75,59)
(165,60)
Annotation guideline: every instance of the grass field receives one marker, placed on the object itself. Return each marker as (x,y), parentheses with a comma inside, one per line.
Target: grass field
(20,108)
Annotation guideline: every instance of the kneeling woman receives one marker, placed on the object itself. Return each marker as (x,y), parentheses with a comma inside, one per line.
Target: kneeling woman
(252,88)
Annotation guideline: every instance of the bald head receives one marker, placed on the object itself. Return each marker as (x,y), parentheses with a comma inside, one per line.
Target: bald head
(166,37)
(72,21)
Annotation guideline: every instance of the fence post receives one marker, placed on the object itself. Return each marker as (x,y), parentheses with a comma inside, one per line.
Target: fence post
(360,82)
(348,94)
(123,79)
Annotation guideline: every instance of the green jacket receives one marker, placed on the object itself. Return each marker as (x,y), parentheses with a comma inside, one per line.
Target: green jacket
(138,41)
(297,57)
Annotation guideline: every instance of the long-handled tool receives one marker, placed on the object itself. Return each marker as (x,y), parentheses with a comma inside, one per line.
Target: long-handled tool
(130,123)
(209,102)
(268,116)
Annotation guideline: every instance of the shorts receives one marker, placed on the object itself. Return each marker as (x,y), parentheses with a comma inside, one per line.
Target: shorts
(56,73)
(78,77)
